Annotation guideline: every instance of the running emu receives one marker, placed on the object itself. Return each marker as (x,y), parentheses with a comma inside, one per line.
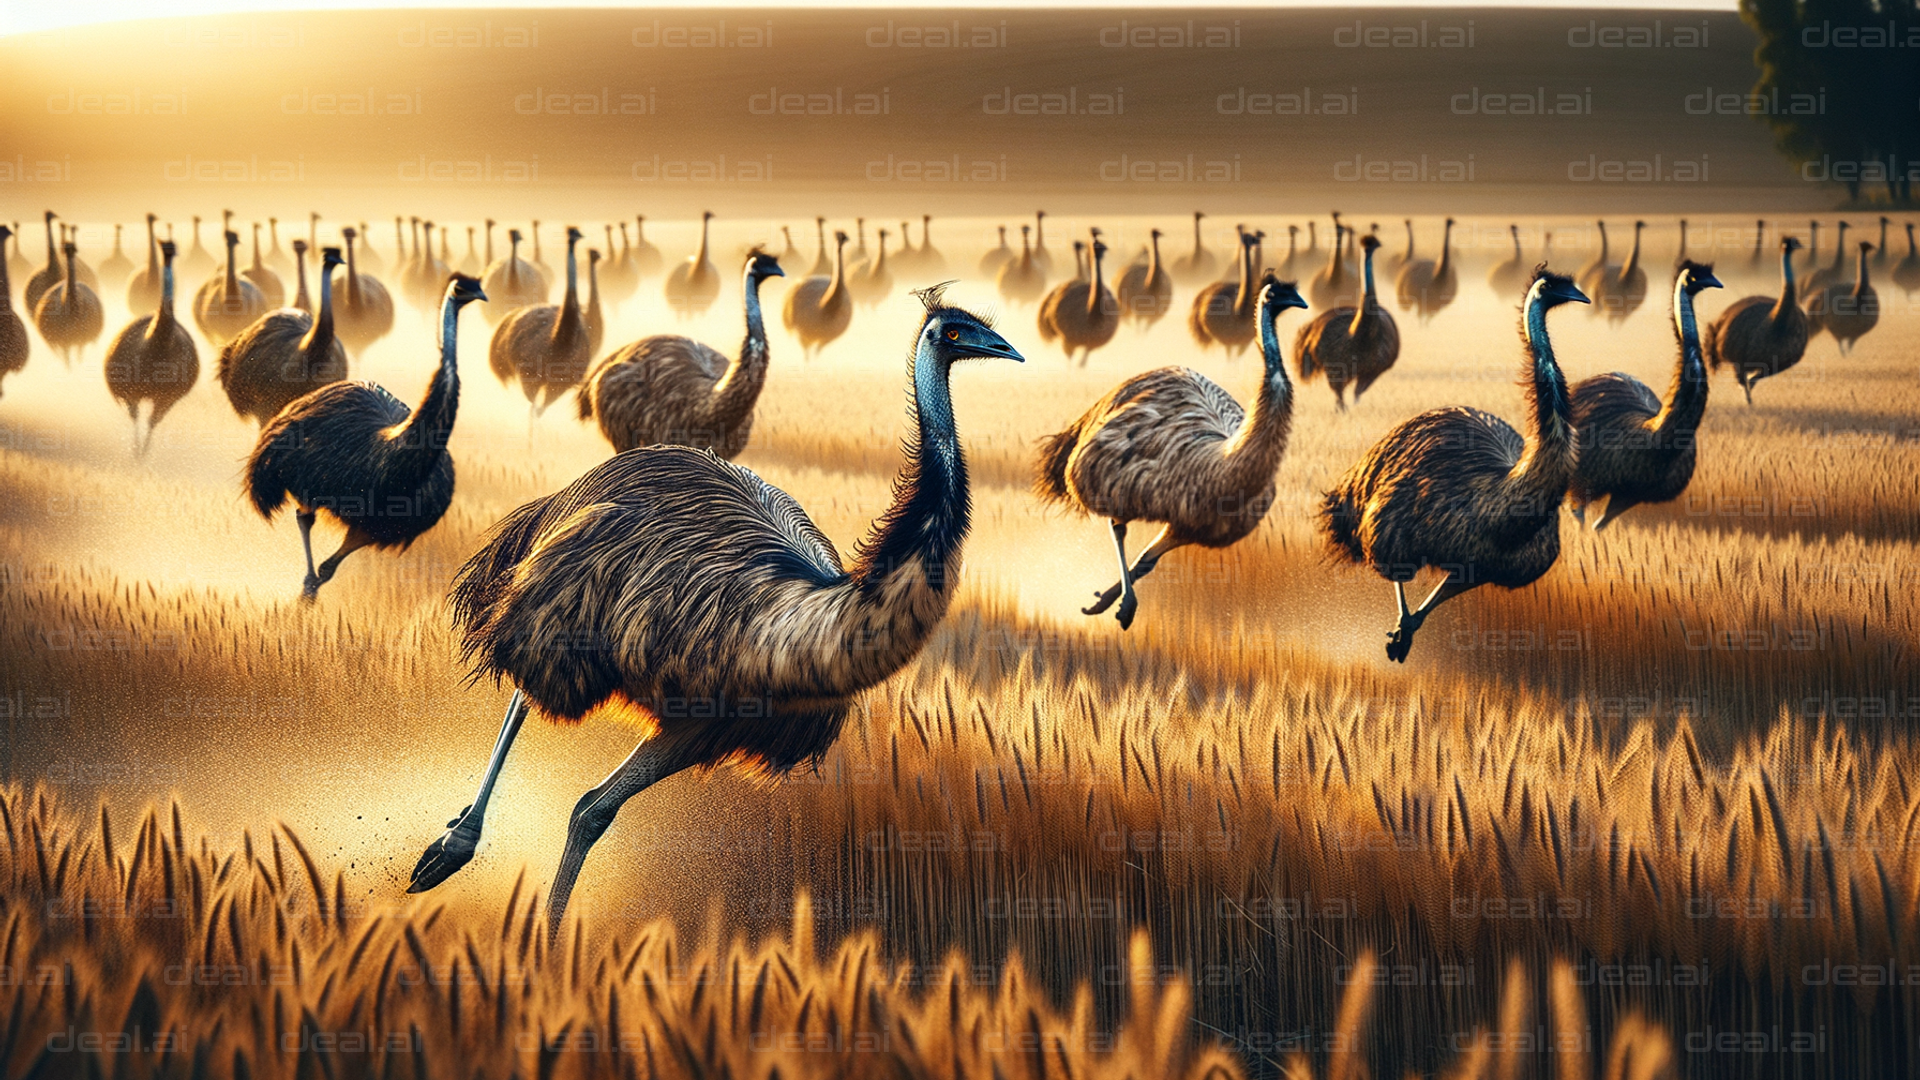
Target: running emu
(285,355)
(1759,336)
(703,584)
(544,346)
(1170,445)
(1633,448)
(671,389)
(355,451)
(1460,490)
(153,359)
(1351,344)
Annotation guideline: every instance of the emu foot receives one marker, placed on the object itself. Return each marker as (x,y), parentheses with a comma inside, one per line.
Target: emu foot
(1105,600)
(310,589)
(445,856)
(1400,638)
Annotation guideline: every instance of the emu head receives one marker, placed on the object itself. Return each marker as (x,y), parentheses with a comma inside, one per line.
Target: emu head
(1276,295)
(1789,244)
(1550,290)
(464,289)
(166,250)
(1369,242)
(761,266)
(330,258)
(1697,277)
(952,333)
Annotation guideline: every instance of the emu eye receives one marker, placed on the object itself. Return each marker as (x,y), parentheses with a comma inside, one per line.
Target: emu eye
(953,335)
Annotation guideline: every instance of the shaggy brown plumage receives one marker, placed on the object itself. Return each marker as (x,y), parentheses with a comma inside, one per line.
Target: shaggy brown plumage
(1223,311)
(13,332)
(1146,291)
(690,595)
(1022,279)
(1460,490)
(285,355)
(1632,448)
(1199,265)
(693,284)
(1759,336)
(153,359)
(1426,285)
(1171,446)
(143,288)
(1083,313)
(544,346)
(819,309)
(671,389)
(1350,345)
(355,451)
(364,312)
(1848,312)
(69,315)
(1619,291)
(227,304)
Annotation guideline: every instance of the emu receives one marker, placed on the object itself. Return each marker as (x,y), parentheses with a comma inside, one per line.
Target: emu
(706,584)
(1332,286)
(153,359)
(819,309)
(1146,289)
(510,283)
(1632,447)
(1460,489)
(1022,279)
(366,308)
(285,355)
(229,304)
(69,315)
(14,345)
(1223,311)
(1352,345)
(1619,291)
(1427,286)
(672,389)
(1510,273)
(1171,446)
(1848,312)
(694,283)
(1083,313)
(1758,336)
(1199,265)
(544,346)
(357,452)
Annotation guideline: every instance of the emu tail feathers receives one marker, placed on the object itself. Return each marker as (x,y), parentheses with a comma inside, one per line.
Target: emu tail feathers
(1339,522)
(1050,473)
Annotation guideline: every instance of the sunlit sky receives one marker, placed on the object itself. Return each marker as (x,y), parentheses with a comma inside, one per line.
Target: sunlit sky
(28,16)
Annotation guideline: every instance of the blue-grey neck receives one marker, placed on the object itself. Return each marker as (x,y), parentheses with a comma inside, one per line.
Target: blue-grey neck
(1547,385)
(931,510)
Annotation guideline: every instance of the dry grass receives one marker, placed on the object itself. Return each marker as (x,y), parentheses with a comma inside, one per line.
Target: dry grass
(163,955)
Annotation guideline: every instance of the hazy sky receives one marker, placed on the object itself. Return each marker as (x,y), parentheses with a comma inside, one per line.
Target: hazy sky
(25,16)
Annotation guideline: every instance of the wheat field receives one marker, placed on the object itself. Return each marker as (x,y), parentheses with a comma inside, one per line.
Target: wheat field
(1669,787)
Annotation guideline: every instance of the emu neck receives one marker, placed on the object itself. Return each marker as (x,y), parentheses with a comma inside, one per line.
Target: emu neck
(300,298)
(53,253)
(1243,299)
(319,339)
(1687,397)
(6,286)
(1446,252)
(427,429)
(569,319)
(153,252)
(919,536)
(839,275)
(1633,256)
(1860,284)
(1153,260)
(1548,455)
(233,273)
(353,278)
(162,322)
(1099,285)
(1257,446)
(737,390)
(1789,289)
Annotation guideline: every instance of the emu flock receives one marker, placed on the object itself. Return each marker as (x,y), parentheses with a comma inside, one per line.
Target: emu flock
(717,616)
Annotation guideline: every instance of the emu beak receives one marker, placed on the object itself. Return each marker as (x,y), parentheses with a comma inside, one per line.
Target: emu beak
(1711,282)
(1574,294)
(479,293)
(993,345)
(777,272)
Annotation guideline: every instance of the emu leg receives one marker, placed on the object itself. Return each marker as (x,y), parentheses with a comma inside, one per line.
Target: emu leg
(1142,566)
(305,517)
(650,763)
(1122,592)
(454,849)
(1400,638)
(354,542)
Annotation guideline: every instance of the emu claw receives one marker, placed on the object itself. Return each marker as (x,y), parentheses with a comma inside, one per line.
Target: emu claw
(1400,638)
(310,589)
(1127,606)
(445,856)
(1104,602)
